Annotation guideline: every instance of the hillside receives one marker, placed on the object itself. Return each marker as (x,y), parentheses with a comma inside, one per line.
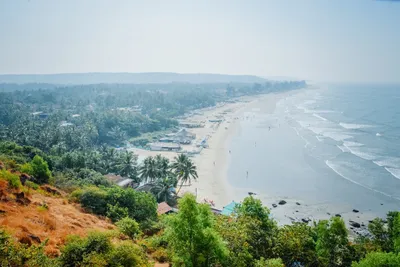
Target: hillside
(132,78)
(32,216)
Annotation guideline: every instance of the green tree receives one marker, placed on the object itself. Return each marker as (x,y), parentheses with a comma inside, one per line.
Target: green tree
(127,165)
(162,189)
(380,234)
(191,235)
(148,171)
(296,243)
(184,170)
(40,170)
(277,262)
(379,259)
(128,227)
(333,247)
(260,227)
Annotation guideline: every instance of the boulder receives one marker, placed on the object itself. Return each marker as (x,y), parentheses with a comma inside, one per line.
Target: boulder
(35,238)
(21,199)
(305,220)
(354,210)
(23,177)
(354,224)
(297,203)
(282,202)
(338,215)
(328,213)
(274,205)
(50,189)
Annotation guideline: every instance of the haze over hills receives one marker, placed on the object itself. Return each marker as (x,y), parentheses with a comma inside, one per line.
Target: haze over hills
(137,78)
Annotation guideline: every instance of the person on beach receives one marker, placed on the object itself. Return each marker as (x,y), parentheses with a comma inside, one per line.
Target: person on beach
(247,174)
(229,152)
(214,163)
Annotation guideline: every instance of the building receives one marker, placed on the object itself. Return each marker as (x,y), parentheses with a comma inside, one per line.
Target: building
(181,137)
(229,209)
(191,124)
(121,181)
(164,208)
(164,146)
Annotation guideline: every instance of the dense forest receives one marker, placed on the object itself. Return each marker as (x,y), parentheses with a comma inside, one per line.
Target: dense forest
(67,137)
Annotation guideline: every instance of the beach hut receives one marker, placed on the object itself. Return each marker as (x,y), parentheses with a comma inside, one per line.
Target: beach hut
(229,209)
(164,208)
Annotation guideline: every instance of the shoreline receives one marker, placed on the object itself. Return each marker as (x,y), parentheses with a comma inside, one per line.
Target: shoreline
(213,183)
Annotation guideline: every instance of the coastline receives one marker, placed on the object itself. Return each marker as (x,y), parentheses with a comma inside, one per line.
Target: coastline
(212,162)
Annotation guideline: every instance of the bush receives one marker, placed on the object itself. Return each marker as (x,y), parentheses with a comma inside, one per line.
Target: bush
(116,213)
(95,199)
(269,263)
(40,170)
(128,227)
(379,259)
(32,185)
(78,250)
(160,255)
(127,255)
(12,179)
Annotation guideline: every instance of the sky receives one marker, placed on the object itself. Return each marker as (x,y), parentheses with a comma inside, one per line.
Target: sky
(323,41)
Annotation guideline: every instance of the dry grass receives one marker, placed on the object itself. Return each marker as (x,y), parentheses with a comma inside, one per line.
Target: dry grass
(60,220)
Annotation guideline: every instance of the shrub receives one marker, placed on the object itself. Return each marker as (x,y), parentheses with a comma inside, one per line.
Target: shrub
(95,199)
(27,168)
(128,227)
(379,259)
(269,263)
(160,255)
(127,255)
(12,179)
(32,185)
(116,213)
(40,170)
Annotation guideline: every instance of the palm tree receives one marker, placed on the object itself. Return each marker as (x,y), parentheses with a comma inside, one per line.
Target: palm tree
(184,169)
(127,165)
(162,189)
(163,167)
(148,171)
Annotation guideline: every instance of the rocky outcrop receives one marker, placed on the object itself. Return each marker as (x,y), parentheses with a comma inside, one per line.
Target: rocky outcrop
(51,190)
(354,224)
(282,202)
(21,199)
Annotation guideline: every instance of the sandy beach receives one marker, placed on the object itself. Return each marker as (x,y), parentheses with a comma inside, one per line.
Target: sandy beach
(212,162)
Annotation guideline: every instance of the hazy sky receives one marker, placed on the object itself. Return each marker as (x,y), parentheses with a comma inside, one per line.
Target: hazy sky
(332,40)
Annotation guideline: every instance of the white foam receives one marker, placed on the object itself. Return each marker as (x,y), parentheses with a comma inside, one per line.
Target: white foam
(378,134)
(319,117)
(319,111)
(361,154)
(337,136)
(349,143)
(388,162)
(344,149)
(353,126)
(334,168)
(395,172)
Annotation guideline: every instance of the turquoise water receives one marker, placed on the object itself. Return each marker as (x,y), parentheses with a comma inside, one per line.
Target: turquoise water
(337,144)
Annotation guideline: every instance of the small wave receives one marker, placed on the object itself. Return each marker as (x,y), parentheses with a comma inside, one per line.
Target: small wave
(319,138)
(349,143)
(388,162)
(299,135)
(319,117)
(393,171)
(361,154)
(333,168)
(378,134)
(337,136)
(353,126)
(343,149)
(319,111)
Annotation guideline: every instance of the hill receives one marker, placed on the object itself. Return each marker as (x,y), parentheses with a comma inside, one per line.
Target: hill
(132,78)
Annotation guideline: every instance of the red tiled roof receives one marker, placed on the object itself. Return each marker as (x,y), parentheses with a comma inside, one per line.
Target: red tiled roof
(163,208)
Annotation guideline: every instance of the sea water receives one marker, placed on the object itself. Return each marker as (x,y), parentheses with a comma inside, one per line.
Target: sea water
(338,144)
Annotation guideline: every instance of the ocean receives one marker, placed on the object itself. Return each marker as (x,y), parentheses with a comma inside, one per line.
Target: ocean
(336,145)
